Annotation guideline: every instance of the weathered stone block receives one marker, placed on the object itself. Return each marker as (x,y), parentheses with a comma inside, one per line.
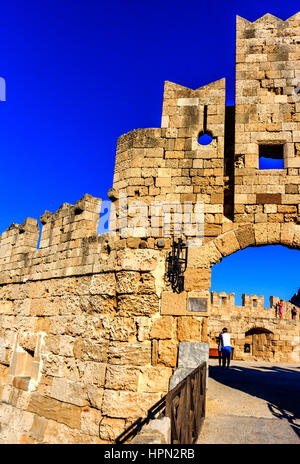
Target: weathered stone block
(189,329)
(68,391)
(138,305)
(59,433)
(111,428)
(38,428)
(163,328)
(94,351)
(173,303)
(49,408)
(138,354)
(103,284)
(94,396)
(138,260)
(122,329)
(167,353)
(92,372)
(126,405)
(121,378)
(197,279)
(154,379)
(227,243)
(127,281)
(204,257)
(273,233)
(245,236)
(143,328)
(90,419)
(261,234)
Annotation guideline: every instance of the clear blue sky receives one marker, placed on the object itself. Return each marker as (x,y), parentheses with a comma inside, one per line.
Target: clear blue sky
(81,73)
(267,270)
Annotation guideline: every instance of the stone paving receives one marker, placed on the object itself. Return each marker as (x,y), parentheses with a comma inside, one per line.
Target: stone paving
(252,403)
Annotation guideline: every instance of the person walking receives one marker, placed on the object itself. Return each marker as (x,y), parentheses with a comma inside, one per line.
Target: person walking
(294,313)
(226,347)
(219,349)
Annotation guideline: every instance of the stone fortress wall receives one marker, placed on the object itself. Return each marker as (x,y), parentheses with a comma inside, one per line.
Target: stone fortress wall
(68,309)
(89,326)
(84,350)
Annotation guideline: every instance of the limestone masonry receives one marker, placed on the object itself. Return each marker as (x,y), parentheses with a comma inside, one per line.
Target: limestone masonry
(90,327)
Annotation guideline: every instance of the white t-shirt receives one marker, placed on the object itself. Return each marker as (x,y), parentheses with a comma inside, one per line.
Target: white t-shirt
(226,339)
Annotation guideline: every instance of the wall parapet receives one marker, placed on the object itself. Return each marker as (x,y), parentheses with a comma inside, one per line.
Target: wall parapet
(251,305)
(69,244)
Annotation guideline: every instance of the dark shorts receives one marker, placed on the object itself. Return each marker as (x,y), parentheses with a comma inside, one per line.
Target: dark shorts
(226,351)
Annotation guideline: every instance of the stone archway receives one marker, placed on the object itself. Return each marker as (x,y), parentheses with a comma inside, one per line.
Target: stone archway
(240,237)
(198,278)
(201,259)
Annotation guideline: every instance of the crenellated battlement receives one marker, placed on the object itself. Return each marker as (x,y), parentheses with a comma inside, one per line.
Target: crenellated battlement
(18,239)
(269,21)
(222,299)
(70,222)
(69,244)
(251,305)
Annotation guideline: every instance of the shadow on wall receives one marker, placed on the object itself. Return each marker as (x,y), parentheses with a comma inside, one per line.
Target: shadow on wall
(279,387)
(156,411)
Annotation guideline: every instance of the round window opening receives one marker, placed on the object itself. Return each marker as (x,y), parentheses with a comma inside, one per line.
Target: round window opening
(205,138)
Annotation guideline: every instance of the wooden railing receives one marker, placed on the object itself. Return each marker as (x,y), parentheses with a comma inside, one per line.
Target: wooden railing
(185,405)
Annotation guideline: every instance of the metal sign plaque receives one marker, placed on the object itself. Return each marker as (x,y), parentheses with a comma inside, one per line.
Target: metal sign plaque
(198,304)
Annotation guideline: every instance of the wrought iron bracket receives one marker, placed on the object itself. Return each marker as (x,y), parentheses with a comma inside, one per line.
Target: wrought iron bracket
(176,265)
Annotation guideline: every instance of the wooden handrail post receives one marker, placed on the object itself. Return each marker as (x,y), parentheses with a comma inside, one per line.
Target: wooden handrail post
(185,406)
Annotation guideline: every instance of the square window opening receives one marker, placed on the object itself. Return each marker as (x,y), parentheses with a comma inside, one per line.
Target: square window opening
(271,156)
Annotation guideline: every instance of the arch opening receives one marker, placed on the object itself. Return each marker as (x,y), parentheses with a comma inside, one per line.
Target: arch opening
(247,284)
(257,331)
(263,271)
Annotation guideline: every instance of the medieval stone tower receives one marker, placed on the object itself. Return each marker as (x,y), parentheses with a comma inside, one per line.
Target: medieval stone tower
(90,324)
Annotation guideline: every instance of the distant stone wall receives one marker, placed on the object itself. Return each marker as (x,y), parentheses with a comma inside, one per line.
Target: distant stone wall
(269,338)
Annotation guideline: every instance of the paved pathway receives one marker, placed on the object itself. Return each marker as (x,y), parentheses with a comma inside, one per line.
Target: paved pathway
(252,403)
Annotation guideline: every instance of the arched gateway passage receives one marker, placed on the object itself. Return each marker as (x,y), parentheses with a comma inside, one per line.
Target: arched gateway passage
(256,330)
(263,271)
